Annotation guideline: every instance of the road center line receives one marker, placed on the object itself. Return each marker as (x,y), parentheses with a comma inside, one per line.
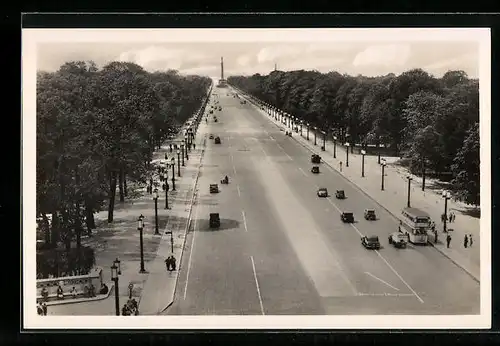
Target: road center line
(238,188)
(399,276)
(257,284)
(191,251)
(244,220)
(300,169)
(283,150)
(379,279)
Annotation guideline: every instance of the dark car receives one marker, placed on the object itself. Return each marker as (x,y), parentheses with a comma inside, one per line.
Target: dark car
(214,188)
(340,194)
(214,220)
(398,239)
(347,217)
(211,136)
(315,169)
(370,242)
(217,140)
(370,214)
(315,158)
(322,192)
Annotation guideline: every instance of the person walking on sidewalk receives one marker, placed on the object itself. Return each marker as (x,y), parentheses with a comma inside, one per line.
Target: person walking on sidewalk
(168,263)
(470,240)
(448,240)
(453,216)
(450,218)
(466,241)
(340,164)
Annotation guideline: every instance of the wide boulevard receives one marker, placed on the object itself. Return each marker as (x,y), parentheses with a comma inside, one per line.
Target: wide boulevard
(282,250)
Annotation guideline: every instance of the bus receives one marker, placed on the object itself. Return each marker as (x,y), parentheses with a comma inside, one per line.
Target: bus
(415,223)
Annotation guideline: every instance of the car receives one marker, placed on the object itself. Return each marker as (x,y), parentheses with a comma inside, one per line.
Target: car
(243,102)
(211,136)
(215,120)
(370,214)
(370,242)
(217,140)
(214,220)
(322,192)
(315,169)
(398,239)
(220,108)
(340,194)
(347,217)
(315,158)
(214,188)
(211,111)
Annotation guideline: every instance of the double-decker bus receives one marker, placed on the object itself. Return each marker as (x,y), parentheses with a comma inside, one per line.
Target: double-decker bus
(415,223)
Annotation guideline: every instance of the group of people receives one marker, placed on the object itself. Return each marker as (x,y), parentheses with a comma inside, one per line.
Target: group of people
(131,308)
(88,291)
(170,263)
(41,308)
(449,218)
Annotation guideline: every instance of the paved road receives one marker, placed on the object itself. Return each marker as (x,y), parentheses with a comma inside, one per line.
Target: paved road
(282,250)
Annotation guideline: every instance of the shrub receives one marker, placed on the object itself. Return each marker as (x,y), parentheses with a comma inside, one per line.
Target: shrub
(59,262)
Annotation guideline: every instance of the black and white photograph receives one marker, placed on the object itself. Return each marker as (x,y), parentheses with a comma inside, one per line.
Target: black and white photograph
(256,178)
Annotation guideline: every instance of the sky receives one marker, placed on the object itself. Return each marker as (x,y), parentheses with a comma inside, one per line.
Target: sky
(369,57)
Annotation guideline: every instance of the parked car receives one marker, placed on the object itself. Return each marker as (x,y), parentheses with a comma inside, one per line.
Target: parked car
(322,192)
(214,220)
(370,214)
(340,194)
(370,242)
(398,239)
(315,169)
(214,188)
(211,136)
(347,217)
(315,158)
(217,140)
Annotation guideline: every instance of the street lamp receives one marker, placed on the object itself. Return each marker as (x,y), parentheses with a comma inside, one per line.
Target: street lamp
(324,141)
(383,163)
(140,227)
(334,147)
(446,195)
(114,277)
(179,163)
(347,154)
(315,128)
(171,241)
(378,147)
(173,174)
(186,147)
(155,197)
(307,135)
(166,188)
(182,152)
(363,153)
(409,186)
(117,262)
(301,124)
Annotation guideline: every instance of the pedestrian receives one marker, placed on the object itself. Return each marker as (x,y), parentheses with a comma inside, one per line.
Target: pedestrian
(450,218)
(466,241)
(39,308)
(453,217)
(470,240)
(194,146)
(340,164)
(168,263)
(173,262)
(448,240)
(44,308)
(433,226)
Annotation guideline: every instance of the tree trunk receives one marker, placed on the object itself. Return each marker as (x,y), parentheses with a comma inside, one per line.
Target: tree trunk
(89,218)
(112,195)
(120,185)
(66,230)
(125,190)
(55,229)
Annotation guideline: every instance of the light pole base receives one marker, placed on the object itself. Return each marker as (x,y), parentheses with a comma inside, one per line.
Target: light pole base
(142,271)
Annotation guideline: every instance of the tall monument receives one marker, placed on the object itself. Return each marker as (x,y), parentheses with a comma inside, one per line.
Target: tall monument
(222,81)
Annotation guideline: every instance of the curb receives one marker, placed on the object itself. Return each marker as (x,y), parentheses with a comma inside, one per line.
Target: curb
(373,199)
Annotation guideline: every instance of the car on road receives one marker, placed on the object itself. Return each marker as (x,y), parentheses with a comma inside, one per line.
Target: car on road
(217,140)
(370,242)
(315,158)
(370,214)
(214,220)
(398,239)
(347,217)
(243,102)
(220,108)
(215,120)
(211,136)
(340,194)
(315,169)
(214,188)
(322,192)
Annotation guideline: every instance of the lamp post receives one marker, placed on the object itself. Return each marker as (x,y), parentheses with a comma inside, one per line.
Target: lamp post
(186,147)
(140,227)
(182,153)
(324,141)
(347,154)
(423,173)
(409,186)
(315,131)
(118,263)
(173,174)
(378,147)
(363,153)
(446,195)
(179,163)
(383,174)
(166,188)
(307,135)
(114,277)
(155,197)
(301,124)
(347,138)
(171,241)
(334,147)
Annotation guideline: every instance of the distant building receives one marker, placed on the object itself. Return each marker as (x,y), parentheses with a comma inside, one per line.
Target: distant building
(222,81)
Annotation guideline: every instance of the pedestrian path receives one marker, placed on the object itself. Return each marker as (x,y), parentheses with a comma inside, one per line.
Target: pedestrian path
(394,196)
(120,239)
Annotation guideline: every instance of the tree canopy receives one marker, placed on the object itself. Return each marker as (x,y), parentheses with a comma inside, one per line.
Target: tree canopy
(417,115)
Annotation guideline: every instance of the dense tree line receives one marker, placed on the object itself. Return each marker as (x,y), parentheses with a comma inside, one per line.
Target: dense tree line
(96,130)
(432,121)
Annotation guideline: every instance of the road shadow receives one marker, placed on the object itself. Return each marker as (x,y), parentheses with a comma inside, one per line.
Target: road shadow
(470,211)
(203,225)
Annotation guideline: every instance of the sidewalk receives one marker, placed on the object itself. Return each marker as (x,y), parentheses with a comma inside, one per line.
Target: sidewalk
(121,240)
(394,197)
